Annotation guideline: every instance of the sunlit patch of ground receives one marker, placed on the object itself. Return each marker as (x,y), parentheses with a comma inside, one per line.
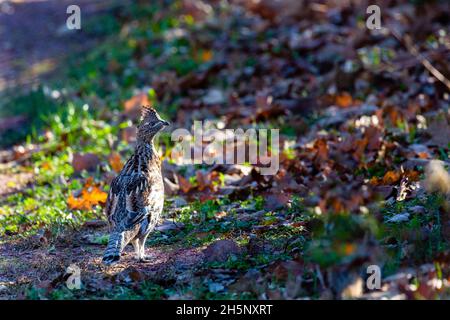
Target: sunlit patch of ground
(10,183)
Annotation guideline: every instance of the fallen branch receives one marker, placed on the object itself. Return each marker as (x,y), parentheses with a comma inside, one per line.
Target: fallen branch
(412,49)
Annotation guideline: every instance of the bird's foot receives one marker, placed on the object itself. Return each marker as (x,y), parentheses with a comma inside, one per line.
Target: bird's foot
(109,260)
(146,258)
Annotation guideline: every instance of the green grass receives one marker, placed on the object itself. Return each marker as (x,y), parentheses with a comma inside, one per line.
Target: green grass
(45,204)
(36,105)
(398,235)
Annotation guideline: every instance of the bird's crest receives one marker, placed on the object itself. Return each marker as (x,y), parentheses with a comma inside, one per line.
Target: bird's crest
(148,112)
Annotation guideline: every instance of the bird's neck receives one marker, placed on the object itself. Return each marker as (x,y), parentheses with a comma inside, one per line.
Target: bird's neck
(145,151)
(143,160)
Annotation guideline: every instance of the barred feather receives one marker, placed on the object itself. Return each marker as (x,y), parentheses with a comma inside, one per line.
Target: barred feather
(136,197)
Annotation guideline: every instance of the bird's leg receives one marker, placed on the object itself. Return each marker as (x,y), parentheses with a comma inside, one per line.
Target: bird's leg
(114,248)
(137,249)
(142,256)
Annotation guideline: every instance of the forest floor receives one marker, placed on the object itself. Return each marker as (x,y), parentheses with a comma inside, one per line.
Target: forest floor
(362,115)
(34,40)
(34,47)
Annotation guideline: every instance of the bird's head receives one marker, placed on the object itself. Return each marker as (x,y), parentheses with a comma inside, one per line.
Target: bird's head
(151,123)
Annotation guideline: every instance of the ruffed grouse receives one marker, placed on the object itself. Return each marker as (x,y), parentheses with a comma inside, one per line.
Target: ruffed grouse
(136,198)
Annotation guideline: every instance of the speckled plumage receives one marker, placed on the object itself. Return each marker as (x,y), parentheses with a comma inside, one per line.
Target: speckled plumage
(136,197)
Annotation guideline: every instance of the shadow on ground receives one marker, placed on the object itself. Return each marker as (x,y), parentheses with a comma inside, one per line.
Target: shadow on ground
(34,46)
(38,265)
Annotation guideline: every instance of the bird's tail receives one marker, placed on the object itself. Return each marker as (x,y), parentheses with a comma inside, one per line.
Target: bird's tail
(114,248)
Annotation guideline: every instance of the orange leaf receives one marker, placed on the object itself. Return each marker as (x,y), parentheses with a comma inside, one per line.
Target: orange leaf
(220,214)
(90,197)
(47,165)
(94,195)
(375,181)
(89,182)
(115,161)
(349,248)
(413,175)
(423,155)
(298,224)
(185,185)
(391,177)
(361,145)
(207,55)
(133,105)
(344,100)
(74,203)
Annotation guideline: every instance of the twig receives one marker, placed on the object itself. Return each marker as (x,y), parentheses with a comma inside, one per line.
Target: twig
(407,42)
(320,277)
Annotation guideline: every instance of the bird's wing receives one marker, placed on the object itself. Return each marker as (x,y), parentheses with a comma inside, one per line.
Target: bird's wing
(113,200)
(138,190)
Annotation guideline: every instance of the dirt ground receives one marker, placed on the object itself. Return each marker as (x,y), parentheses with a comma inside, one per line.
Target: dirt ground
(42,263)
(33,38)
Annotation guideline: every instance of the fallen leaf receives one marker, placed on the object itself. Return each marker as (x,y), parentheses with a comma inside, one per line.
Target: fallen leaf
(206,56)
(321,151)
(129,134)
(87,161)
(391,177)
(276,201)
(133,105)
(115,161)
(90,196)
(284,270)
(185,185)
(344,100)
(221,250)
(401,217)
(439,130)
(202,181)
(214,96)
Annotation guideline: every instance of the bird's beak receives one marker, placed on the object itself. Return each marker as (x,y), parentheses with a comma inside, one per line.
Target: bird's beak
(165,123)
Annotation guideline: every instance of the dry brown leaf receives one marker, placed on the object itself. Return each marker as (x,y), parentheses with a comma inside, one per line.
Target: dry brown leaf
(115,161)
(133,105)
(391,177)
(129,134)
(185,185)
(87,161)
(202,181)
(322,150)
(276,201)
